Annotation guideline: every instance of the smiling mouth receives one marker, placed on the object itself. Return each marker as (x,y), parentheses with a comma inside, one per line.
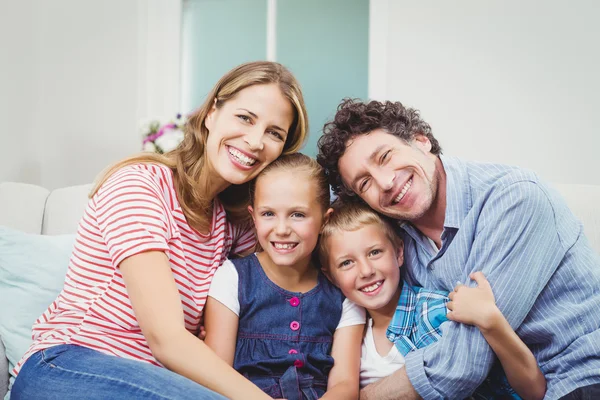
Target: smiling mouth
(240,157)
(284,246)
(403,192)
(372,287)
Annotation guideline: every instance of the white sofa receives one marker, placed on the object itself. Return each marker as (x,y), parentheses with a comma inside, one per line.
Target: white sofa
(33,209)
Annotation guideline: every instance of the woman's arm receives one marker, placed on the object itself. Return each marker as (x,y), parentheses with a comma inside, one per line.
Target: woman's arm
(221,325)
(157,306)
(477,306)
(343,380)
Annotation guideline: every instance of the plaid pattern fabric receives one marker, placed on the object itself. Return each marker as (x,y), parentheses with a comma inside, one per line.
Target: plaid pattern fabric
(416,322)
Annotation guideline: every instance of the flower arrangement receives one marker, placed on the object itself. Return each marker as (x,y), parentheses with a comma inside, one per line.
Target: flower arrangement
(162,137)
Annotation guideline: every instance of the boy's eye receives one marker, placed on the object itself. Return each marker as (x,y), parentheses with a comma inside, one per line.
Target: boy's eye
(345,263)
(374,252)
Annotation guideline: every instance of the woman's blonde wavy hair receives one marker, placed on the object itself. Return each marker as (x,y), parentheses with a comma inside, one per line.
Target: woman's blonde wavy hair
(187,161)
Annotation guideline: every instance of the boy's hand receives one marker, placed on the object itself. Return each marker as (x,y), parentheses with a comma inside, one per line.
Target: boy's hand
(474,306)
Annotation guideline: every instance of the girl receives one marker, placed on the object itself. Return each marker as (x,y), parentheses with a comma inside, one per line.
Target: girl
(154,232)
(273,315)
(362,254)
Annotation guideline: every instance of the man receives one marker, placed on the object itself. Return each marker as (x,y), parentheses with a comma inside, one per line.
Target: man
(459,217)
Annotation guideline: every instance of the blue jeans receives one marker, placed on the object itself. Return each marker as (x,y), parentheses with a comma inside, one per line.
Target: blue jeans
(74,372)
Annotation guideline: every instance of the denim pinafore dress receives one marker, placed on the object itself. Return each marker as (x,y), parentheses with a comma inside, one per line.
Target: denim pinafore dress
(285,338)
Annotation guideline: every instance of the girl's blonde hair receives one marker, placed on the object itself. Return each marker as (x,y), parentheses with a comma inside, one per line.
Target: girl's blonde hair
(350,217)
(187,161)
(298,163)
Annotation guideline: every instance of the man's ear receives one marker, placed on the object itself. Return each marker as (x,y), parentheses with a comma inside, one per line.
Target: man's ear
(422,142)
(209,120)
(400,252)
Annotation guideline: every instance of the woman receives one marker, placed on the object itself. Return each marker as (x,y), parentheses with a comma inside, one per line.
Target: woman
(155,229)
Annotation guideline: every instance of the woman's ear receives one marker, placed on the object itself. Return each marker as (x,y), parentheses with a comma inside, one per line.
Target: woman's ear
(209,120)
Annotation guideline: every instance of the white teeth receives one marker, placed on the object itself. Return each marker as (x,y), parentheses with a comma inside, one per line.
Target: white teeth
(241,157)
(372,287)
(284,246)
(403,192)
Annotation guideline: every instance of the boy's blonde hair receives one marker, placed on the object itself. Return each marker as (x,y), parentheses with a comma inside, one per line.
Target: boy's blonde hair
(351,217)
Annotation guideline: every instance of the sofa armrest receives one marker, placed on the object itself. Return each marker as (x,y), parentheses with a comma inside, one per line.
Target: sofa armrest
(3,371)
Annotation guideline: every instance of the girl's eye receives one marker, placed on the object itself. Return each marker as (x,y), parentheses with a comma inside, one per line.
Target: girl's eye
(267,214)
(276,135)
(297,215)
(244,118)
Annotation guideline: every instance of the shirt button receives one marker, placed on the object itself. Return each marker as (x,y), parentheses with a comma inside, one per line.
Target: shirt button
(298,364)
(295,325)
(293,351)
(294,301)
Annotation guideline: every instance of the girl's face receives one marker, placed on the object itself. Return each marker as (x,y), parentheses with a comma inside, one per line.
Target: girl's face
(247,133)
(365,265)
(287,216)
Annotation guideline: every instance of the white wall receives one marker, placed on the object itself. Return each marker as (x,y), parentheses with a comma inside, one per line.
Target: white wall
(507,81)
(76,78)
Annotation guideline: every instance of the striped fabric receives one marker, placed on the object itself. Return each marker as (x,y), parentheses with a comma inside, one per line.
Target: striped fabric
(136,210)
(546,278)
(416,322)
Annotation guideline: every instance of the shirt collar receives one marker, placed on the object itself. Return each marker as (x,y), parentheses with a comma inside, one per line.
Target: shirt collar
(458,192)
(403,320)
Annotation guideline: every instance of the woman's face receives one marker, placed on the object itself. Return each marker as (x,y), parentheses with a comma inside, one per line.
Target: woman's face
(247,133)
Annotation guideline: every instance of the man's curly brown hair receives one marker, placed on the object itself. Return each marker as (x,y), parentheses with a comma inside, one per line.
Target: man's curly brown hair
(353,118)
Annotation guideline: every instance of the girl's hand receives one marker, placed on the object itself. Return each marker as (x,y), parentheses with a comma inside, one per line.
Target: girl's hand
(202,334)
(474,306)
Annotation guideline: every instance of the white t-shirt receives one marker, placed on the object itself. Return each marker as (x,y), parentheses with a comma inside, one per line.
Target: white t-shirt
(224,289)
(373,366)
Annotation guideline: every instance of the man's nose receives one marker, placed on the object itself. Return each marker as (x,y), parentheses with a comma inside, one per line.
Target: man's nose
(384,179)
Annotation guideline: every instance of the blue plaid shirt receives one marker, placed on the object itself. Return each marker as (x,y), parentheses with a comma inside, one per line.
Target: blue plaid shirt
(416,322)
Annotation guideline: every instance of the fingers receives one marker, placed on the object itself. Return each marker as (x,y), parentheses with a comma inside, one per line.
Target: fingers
(479,277)
(450,306)
(458,286)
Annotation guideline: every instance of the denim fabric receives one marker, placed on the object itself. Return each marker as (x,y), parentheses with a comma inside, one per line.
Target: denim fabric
(285,362)
(74,372)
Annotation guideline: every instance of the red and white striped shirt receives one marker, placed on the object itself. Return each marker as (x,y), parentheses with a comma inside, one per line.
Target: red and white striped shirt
(135,210)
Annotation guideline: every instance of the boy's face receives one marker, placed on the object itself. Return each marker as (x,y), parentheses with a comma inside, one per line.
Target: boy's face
(365,265)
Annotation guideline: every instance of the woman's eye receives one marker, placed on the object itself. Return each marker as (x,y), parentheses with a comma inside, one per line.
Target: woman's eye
(244,118)
(276,135)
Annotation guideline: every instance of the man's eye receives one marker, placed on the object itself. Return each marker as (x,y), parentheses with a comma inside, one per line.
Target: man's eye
(385,156)
(363,185)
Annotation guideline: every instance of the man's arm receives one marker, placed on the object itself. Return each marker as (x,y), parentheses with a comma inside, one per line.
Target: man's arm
(394,387)
(518,248)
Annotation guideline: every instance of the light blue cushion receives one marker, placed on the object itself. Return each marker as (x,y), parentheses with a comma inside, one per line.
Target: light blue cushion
(32,273)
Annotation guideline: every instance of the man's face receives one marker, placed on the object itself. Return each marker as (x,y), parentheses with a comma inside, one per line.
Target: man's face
(395,178)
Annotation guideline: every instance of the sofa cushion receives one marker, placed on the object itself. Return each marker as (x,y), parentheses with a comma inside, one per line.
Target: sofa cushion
(22,206)
(32,273)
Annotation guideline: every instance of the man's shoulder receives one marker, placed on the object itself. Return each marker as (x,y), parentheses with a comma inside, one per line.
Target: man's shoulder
(491,175)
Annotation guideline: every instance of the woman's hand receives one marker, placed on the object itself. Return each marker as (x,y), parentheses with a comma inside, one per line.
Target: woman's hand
(474,306)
